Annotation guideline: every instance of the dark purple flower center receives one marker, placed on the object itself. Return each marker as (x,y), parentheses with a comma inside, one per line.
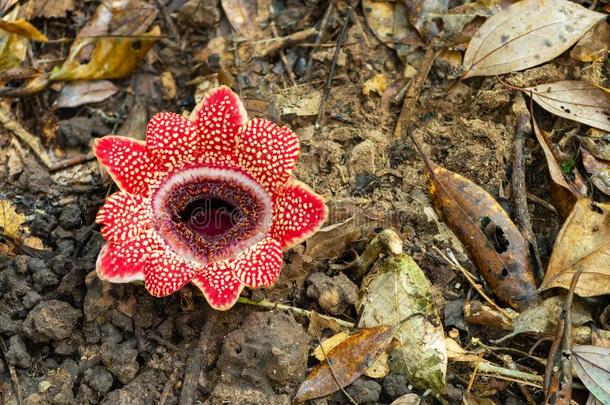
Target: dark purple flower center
(209,214)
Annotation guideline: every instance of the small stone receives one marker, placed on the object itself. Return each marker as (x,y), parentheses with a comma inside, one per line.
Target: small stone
(9,327)
(43,224)
(70,217)
(52,319)
(21,264)
(17,352)
(35,265)
(110,333)
(65,246)
(98,378)
(75,132)
(364,391)
(200,13)
(45,278)
(334,294)
(31,299)
(395,385)
(120,360)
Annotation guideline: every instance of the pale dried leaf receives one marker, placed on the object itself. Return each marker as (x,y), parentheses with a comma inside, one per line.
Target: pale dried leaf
(388,21)
(597,142)
(526,34)
(23,28)
(13,47)
(592,365)
(599,171)
(246,16)
(52,8)
(84,92)
(582,243)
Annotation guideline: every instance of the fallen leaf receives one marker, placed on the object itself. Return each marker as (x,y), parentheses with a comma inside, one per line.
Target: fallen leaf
(418,11)
(582,243)
(169,85)
(575,100)
(388,21)
(397,292)
(377,84)
(593,46)
(348,360)
(576,185)
(378,369)
(23,28)
(526,34)
(246,16)
(6,4)
(597,142)
(455,352)
(12,225)
(13,47)
(490,237)
(52,8)
(302,101)
(598,169)
(112,58)
(84,92)
(407,399)
(592,365)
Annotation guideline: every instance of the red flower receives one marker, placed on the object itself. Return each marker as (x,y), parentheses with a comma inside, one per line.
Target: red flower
(209,201)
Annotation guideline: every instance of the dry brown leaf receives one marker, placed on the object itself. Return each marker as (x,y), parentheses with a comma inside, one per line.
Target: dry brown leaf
(593,46)
(52,8)
(592,365)
(112,58)
(597,142)
(388,21)
(490,237)
(418,12)
(246,16)
(348,360)
(23,28)
(576,185)
(599,171)
(84,92)
(13,47)
(12,226)
(582,243)
(575,100)
(526,34)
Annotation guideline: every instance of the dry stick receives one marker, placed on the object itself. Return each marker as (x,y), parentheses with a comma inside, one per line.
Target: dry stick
(193,365)
(408,106)
(169,384)
(523,129)
(169,22)
(283,58)
(13,373)
(298,311)
(331,72)
(319,37)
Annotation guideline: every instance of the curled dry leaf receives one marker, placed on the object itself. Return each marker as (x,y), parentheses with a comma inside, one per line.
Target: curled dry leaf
(23,28)
(84,92)
(12,225)
(526,34)
(593,46)
(418,11)
(575,100)
(592,365)
(348,360)
(112,57)
(597,142)
(397,292)
(13,47)
(388,21)
(490,237)
(246,16)
(583,243)
(599,171)
(52,9)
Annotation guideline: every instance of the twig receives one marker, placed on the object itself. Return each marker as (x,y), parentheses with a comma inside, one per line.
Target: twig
(169,384)
(319,37)
(193,365)
(526,393)
(523,129)
(287,67)
(330,366)
(13,373)
(169,22)
(164,342)
(408,106)
(331,72)
(298,311)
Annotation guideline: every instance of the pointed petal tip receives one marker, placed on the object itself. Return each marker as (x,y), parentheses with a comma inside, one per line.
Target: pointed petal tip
(260,266)
(219,286)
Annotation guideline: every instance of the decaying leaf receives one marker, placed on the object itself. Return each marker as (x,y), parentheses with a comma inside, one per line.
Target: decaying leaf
(599,170)
(490,237)
(593,46)
(397,292)
(388,21)
(13,47)
(348,360)
(526,34)
(12,226)
(378,369)
(455,352)
(302,101)
(23,28)
(52,8)
(112,58)
(592,365)
(575,100)
(84,92)
(418,11)
(246,16)
(575,185)
(582,243)
(597,142)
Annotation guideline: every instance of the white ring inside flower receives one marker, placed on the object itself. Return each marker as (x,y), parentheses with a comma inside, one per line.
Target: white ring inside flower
(210,214)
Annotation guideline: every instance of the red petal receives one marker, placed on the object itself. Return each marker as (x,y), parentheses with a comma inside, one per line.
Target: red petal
(165,272)
(218,117)
(122,263)
(268,152)
(127,162)
(171,139)
(219,286)
(123,216)
(297,214)
(260,265)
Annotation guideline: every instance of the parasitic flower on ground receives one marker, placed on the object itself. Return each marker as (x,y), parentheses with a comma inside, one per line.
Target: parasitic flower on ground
(208,200)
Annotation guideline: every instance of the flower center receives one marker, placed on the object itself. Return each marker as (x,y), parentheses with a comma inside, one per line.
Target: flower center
(210,214)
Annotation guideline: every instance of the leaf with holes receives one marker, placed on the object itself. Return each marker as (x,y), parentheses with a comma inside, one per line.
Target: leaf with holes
(575,100)
(345,362)
(592,365)
(526,34)
(488,234)
(397,292)
(583,243)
